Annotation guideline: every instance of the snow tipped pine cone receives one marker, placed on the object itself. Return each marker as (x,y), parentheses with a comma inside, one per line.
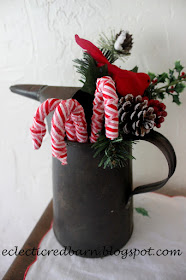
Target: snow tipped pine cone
(124,42)
(135,116)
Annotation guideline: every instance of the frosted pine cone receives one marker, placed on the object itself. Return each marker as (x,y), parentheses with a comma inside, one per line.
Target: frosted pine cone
(135,115)
(123,43)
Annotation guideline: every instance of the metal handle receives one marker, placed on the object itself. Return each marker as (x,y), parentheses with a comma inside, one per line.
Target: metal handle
(165,146)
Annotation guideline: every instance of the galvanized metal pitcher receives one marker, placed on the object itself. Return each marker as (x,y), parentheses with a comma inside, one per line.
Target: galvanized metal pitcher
(93,207)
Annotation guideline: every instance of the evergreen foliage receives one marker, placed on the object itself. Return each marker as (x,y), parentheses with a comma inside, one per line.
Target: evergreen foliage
(89,71)
(173,84)
(113,153)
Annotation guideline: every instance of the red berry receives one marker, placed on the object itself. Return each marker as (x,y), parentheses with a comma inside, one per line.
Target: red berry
(151,102)
(154,81)
(158,125)
(155,110)
(158,114)
(161,119)
(162,106)
(156,102)
(172,89)
(164,114)
(182,74)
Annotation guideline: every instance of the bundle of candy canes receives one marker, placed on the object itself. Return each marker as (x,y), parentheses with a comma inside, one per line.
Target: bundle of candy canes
(69,119)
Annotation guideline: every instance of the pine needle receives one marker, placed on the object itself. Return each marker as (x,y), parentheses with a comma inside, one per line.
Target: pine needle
(90,72)
(113,153)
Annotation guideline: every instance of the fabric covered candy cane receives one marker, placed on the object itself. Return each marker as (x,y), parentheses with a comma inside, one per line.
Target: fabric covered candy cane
(105,103)
(70,130)
(68,113)
(38,129)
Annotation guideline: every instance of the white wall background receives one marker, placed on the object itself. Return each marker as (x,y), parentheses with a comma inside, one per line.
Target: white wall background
(37,46)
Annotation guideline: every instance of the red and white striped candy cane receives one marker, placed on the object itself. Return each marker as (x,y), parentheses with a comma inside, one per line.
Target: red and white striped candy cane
(68,111)
(105,103)
(38,128)
(70,130)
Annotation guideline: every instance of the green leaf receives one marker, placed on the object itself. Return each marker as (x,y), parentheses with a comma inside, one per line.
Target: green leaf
(172,80)
(178,66)
(175,99)
(161,95)
(162,77)
(171,76)
(151,75)
(135,69)
(179,87)
(142,211)
(171,72)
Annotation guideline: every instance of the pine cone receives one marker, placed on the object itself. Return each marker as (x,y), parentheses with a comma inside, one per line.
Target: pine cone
(123,43)
(135,115)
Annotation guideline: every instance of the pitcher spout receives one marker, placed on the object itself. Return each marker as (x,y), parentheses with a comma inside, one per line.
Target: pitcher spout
(30,91)
(43,92)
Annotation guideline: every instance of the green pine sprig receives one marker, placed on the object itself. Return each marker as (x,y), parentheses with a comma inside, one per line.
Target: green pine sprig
(113,153)
(89,71)
(83,64)
(172,84)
